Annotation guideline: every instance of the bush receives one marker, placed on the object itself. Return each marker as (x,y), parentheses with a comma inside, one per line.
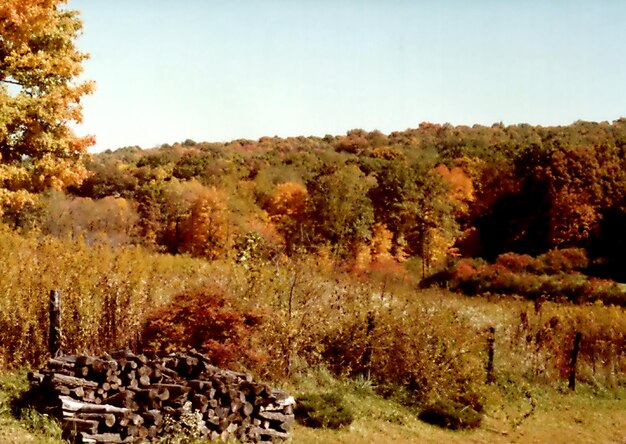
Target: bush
(327,410)
(565,260)
(555,275)
(519,262)
(205,320)
(451,415)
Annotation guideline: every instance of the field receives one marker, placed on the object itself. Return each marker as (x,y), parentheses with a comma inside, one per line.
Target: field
(586,416)
(311,328)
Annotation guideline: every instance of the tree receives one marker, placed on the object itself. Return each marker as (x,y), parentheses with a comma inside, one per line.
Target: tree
(341,209)
(583,181)
(288,209)
(108,219)
(39,99)
(205,230)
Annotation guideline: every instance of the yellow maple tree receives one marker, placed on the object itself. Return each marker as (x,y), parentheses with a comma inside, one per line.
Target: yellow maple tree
(39,100)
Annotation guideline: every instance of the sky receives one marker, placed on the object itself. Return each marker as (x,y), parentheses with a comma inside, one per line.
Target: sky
(167,70)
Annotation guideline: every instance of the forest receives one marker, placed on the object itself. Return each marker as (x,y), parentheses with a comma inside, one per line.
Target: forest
(421,198)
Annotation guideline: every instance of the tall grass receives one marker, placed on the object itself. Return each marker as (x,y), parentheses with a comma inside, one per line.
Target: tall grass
(430,343)
(105,292)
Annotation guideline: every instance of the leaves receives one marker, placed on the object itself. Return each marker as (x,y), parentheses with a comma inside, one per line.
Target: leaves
(39,98)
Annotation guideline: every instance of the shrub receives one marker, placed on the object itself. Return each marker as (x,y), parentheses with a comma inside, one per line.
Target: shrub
(327,410)
(564,260)
(518,262)
(438,361)
(451,415)
(205,320)
(555,274)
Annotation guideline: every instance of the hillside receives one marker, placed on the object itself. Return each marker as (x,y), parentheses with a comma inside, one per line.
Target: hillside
(315,262)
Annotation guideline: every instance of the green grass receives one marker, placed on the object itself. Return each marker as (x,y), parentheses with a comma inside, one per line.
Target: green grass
(515,412)
(22,425)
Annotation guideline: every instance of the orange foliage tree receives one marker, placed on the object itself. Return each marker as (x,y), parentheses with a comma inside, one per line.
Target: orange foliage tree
(206,228)
(582,180)
(288,208)
(39,99)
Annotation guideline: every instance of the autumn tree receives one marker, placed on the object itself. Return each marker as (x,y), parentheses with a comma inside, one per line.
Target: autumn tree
(175,203)
(39,99)
(582,181)
(341,209)
(205,230)
(288,208)
(108,219)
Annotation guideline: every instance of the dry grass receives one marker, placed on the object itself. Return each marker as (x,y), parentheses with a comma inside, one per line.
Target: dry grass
(558,418)
(105,293)
(318,317)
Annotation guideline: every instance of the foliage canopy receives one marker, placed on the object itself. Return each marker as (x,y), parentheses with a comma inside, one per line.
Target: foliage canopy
(39,100)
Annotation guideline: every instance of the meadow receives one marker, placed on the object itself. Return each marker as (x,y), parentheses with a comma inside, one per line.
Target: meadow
(389,347)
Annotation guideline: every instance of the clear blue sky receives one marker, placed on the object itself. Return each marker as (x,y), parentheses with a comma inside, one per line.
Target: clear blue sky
(219,70)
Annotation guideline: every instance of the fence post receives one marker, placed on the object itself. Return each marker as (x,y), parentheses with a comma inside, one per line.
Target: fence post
(573,362)
(491,340)
(54,337)
(366,359)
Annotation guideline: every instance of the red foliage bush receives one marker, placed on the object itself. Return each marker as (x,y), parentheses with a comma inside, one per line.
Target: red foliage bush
(518,262)
(465,269)
(565,260)
(204,320)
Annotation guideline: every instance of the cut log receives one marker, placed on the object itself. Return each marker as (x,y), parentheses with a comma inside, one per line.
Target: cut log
(60,363)
(70,381)
(136,419)
(84,361)
(153,417)
(269,433)
(275,416)
(144,380)
(167,371)
(175,390)
(81,372)
(248,408)
(121,399)
(108,419)
(35,377)
(72,405)
(144,370)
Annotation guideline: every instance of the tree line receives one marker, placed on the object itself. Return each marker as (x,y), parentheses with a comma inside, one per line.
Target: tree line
(420,196)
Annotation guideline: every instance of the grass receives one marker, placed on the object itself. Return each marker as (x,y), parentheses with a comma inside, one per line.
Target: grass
(559,417)
(19,426)
(591,414)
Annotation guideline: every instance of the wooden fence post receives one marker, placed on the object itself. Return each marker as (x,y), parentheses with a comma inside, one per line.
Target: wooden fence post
(54,337)
(366,359)
(491,340)
(573,362)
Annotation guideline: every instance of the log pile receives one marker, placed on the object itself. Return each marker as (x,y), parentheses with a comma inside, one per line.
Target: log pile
(122,397)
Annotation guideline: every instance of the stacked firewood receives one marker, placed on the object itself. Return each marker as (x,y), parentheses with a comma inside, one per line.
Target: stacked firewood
(122,397)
